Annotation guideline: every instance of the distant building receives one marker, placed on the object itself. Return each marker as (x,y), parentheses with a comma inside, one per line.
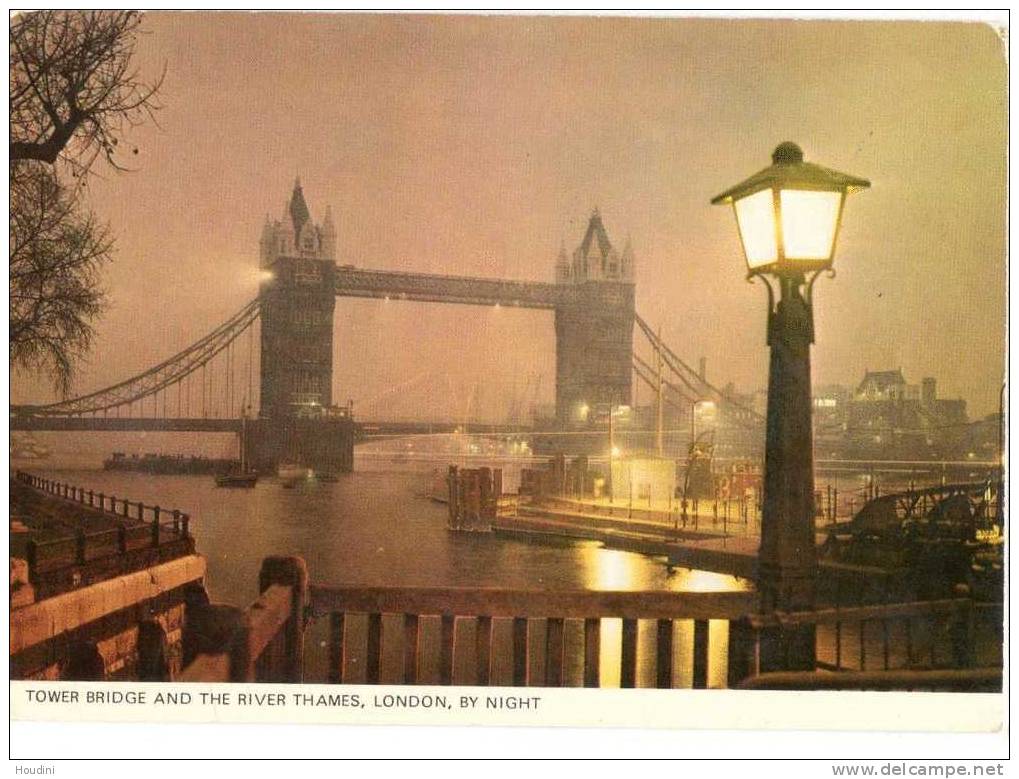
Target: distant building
(885,399)
(885,385)
(887,412)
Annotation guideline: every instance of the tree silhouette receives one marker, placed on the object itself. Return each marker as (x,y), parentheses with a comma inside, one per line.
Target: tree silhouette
(56,252)
(74,91)
(73,95)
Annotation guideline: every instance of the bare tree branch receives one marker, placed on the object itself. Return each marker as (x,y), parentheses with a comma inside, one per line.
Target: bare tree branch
(74,93)
(73,90)
(57,251)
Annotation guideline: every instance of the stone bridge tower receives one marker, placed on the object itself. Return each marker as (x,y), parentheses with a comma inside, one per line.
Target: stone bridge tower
(298,298)
(594,328)
(297,422)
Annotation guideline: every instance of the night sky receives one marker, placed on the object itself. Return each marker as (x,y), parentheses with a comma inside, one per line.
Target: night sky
(478,145)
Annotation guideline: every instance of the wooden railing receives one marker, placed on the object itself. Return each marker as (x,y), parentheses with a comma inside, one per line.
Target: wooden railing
(538,625)
(941,680)
(378,635)
(955,620)
(264,642)
(917,645)
(136,526)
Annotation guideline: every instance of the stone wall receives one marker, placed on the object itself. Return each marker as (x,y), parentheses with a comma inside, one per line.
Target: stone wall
(128,627)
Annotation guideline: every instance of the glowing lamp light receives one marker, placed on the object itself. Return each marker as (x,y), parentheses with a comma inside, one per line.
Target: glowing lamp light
(789,214)
(616,451)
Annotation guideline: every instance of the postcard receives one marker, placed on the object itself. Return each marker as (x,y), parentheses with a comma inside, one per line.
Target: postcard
(508,369)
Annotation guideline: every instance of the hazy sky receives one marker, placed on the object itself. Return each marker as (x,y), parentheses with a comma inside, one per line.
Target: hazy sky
(476,145)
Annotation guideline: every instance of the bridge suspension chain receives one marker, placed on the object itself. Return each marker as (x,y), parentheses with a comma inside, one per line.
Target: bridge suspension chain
(643,371)
(161,377)
(646,372)
(690,377)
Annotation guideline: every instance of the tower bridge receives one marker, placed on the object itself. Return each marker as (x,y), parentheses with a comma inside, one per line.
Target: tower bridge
(592,299)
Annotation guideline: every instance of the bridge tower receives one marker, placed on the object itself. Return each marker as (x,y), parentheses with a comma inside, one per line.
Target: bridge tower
(298,298)
(594,327)
(297,421)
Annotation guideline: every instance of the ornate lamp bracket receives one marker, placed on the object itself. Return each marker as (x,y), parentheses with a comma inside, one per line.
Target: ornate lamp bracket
(809,297)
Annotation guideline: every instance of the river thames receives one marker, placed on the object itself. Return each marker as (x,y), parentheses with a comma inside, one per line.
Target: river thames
(377,526)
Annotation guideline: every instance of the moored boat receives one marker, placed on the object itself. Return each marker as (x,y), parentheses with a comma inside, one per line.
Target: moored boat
(237,479)
(241,477)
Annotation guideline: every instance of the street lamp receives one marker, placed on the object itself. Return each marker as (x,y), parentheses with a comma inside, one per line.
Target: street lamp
(614,451)
(788,217)
(709,407)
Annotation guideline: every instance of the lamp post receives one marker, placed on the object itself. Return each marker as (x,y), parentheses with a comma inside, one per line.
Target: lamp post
(613,448)
(788,217)
(612,455)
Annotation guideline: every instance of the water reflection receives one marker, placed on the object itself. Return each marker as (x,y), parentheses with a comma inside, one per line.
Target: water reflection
(375,527)
(609,569)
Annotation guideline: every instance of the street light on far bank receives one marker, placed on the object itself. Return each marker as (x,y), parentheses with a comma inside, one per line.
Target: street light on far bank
(707,408)
(788,216)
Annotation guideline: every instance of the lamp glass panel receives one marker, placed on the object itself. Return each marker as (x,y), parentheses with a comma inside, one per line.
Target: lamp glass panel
(756,217)
(809,219)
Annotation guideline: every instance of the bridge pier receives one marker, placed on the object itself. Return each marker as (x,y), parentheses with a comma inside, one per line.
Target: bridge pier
(325,445)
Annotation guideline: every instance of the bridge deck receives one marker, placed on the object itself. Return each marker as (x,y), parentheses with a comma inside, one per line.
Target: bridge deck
(431,288)
(123,424)
(28,422)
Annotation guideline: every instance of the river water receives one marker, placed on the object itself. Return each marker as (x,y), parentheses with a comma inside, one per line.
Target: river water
(377,526)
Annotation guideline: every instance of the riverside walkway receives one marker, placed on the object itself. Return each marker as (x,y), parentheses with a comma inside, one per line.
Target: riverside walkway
(720,546)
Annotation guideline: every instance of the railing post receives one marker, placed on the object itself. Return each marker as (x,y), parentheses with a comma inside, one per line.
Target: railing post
(32,553)
(102,502)
(155,525)
(744,651)
(700,654)
(962,628)
(592,652)
(663,652)
(185,520)
(79,539)
(91,498)
(217,630)
(176,522)
(289,572)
